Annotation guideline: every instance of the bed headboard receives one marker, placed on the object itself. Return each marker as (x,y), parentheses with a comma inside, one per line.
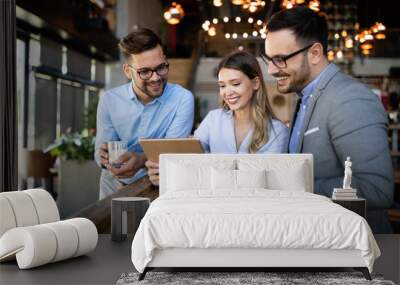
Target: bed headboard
(297,166)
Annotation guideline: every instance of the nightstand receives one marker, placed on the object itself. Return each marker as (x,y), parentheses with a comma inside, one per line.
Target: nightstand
(125,212)
(358,205)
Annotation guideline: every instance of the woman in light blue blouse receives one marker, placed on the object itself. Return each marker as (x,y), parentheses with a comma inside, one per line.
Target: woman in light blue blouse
(245,123)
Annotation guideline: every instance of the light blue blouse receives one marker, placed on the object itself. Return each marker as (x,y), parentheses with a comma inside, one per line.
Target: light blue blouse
(217,135)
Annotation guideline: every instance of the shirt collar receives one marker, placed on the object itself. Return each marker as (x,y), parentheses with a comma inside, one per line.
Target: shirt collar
(132,95)
(309,89)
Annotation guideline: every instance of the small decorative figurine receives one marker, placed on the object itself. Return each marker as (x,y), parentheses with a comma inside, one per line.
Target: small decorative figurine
(347,174)
(347,192)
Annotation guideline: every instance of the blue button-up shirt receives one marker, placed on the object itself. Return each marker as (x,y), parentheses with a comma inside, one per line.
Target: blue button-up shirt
(122,116)
(305,96)
(217,135)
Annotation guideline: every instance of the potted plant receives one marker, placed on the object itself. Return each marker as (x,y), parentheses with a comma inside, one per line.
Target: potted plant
(78,174)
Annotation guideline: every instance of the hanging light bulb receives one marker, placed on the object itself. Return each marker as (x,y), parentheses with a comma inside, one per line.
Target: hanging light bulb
(215,21)
(339,54)
(225,19)
(366,46)
(331,55)
(288,4)
(263,30)
(238,19)
(259,22)
(237,2)
(234,36)
(348,43)
(250,20)
(245,35)
(255,33)
(378,29)
(366,52)
(381,27)
(380,36)
(212,31)
(206,25)
(314,5)
(227,35)
(217,3)
(252,9)
(369,37)
(174,14)
(360,37)
(253,5)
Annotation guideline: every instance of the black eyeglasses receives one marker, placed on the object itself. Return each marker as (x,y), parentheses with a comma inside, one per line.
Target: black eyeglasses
(280,60)
(147,73)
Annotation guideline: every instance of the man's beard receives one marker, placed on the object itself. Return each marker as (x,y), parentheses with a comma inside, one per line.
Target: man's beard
(298,80)
(146,88)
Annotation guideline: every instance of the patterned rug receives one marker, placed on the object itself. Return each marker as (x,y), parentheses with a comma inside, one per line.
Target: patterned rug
(243,278)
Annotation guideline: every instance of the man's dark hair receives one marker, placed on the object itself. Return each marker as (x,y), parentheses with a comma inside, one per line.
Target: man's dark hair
(138,41)
(308,26)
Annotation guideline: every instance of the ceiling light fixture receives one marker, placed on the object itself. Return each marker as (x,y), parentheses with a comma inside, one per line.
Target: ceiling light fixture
(174,14)
(366,37)
(218,3)
(256,27)
(314,5)
(212,31)
(238,2)
(253,5)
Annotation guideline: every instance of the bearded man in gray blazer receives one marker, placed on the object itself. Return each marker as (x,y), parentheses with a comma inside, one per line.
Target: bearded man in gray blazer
(336,116)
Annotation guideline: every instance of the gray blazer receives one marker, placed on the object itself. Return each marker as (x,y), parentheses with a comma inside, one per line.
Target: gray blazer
(344,118)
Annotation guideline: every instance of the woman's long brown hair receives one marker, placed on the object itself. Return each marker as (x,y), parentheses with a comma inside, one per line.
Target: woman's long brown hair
(261,111)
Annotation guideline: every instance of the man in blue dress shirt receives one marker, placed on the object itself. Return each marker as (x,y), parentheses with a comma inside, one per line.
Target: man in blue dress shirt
(146,107)
(336,116)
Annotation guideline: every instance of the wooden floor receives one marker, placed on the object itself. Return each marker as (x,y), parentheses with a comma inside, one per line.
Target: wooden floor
(110,259)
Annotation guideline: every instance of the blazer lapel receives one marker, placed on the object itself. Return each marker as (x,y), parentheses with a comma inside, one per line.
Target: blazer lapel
(329,73)
(307,118)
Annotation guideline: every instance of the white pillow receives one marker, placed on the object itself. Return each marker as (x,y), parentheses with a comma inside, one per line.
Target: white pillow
(293,179)
(185,175)
(280,174)
(251,178)
(223,179)
(237,179)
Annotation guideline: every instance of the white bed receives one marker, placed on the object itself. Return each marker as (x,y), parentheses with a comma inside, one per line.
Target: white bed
(247,211)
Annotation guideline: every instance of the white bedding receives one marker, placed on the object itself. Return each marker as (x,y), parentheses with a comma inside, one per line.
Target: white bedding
(252,218)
